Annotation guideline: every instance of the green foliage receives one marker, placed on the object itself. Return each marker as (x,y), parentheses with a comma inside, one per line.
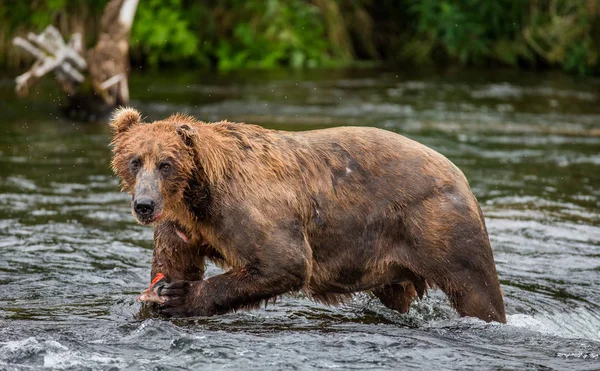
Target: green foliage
(39,14)
(273,33)
(581,58)
(253,34)
(561,34)
(229,34)
(470,31)
(506,31)
(162,32)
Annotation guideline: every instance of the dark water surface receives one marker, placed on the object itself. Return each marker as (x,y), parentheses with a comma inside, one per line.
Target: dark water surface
(72,260)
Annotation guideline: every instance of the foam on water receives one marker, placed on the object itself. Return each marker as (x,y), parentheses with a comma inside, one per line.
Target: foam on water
(579,323)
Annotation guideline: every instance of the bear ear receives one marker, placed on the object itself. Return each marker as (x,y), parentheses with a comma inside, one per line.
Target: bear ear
(123,119)
(187,133)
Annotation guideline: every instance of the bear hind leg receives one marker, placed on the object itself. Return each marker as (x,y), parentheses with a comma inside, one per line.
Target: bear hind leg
(468,277)
(455,255)
(475,299)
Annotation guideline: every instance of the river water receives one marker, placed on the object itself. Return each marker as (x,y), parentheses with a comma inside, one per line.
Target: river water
(72,259)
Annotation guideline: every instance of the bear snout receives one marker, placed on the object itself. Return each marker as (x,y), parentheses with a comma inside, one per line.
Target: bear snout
(144,207)
(146,210)
(147,201)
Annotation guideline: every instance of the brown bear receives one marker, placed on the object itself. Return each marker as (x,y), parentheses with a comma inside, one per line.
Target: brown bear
(327,212)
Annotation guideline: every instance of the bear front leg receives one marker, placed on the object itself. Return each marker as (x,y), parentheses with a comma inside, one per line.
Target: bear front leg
(175,258)
(238,288)
(269,254)
(397,296)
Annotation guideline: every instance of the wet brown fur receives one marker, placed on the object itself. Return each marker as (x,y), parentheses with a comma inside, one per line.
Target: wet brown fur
(329,212)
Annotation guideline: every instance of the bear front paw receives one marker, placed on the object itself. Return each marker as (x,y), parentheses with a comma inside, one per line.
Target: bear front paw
(181,299)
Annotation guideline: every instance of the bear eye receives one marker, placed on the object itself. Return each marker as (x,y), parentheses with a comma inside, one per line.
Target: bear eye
(135,165)
(164,168)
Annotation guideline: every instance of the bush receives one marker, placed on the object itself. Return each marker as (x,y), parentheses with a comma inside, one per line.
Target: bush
(307,33)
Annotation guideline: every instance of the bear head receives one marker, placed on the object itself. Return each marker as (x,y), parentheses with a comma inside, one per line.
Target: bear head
(154,161)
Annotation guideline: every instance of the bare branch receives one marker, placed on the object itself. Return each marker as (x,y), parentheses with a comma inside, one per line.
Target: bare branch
(52,54)
(106,65)
(27,46)
(112,81)
(127,13)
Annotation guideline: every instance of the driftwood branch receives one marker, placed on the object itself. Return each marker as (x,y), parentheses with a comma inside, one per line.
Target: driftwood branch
(52,54)
(105,66)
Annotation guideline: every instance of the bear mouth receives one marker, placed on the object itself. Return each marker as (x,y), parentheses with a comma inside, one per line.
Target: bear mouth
(146,220)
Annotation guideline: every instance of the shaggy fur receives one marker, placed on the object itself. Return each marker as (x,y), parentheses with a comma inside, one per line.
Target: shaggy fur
(329,212)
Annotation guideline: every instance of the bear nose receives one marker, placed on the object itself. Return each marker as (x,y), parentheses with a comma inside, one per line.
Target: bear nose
(144,206)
